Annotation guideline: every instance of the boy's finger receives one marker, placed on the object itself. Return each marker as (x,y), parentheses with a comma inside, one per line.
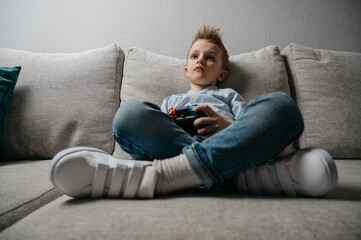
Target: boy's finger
(204,121)
(206,130)
(208,135)
(200,107)
(204,107)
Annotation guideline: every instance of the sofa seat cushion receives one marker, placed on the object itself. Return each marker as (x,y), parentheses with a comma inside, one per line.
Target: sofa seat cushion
(327,87)
(201,214)
(25,186)
(61,100)
(153,77)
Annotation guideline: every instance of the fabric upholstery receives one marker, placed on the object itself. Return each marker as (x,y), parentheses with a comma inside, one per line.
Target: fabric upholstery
(152,76)
(61,100)
(327,87)
(255,73)
(24,188)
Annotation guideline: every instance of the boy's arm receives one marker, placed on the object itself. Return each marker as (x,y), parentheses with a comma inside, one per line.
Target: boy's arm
(164,106)
(214,123)
(237,105)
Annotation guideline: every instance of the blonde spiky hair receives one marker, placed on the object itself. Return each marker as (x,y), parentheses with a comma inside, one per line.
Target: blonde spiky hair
(212,35)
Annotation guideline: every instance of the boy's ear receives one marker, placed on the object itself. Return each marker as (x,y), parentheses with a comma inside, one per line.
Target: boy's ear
(186,71)
(222,75)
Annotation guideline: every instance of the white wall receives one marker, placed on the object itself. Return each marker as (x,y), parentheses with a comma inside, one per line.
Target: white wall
(167,26)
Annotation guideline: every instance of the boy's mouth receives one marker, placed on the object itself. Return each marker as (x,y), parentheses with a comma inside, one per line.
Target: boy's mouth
(199,69)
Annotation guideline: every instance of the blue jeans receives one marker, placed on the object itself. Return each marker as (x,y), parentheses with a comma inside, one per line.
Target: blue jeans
(268,125)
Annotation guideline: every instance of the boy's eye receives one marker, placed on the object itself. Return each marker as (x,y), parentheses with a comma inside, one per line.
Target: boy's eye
(194,56)
(210,58)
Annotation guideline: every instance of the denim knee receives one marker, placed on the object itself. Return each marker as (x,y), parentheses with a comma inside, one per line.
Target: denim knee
(288,107)
(282,97)
(129,112)
(278,98)
(282,100)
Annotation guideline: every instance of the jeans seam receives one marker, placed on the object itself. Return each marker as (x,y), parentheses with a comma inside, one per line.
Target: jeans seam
(204,165)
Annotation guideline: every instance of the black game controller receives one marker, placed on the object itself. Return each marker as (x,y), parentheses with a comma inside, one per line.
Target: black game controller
(184,117)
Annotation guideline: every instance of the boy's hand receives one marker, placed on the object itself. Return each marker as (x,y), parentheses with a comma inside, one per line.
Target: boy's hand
(214,123)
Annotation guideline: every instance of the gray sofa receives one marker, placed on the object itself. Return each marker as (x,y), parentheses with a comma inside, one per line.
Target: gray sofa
(66,100)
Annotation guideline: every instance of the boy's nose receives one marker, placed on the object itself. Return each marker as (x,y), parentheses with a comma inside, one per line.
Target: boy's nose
(201,60)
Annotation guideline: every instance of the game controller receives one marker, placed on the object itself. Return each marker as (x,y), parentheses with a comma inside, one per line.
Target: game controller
(184,117)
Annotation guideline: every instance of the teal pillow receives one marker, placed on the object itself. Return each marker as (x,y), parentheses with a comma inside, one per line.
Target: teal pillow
(8,79)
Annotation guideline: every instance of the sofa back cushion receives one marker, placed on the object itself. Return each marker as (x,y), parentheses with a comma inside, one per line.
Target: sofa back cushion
(61,100)
(327,87)
(153,77)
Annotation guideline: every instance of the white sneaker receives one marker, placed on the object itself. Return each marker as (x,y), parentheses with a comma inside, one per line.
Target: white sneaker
(309,172)
(83,172)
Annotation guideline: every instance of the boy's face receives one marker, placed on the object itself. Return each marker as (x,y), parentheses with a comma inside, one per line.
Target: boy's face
(204,66)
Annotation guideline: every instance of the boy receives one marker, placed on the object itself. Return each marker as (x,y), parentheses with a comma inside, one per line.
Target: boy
(207,64)
(235,145)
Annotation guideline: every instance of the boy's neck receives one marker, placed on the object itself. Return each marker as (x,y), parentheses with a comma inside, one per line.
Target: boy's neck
(197,88)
